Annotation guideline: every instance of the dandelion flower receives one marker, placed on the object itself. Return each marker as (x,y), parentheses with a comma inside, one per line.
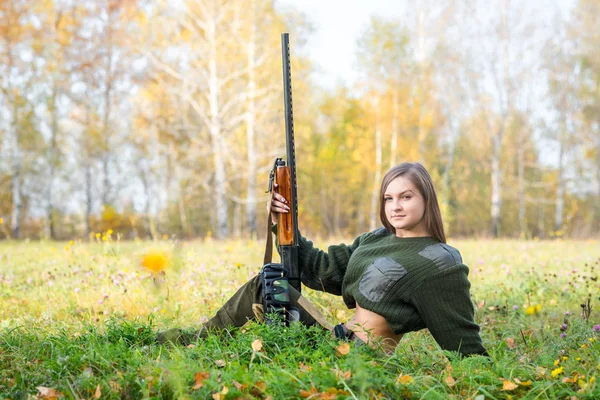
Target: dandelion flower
(530,310)
(557,371)
(154,261)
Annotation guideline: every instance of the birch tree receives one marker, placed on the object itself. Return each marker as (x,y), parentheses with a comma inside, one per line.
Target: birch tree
(15,39)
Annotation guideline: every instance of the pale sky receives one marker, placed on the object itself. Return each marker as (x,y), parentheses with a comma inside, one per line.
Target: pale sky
(339,23)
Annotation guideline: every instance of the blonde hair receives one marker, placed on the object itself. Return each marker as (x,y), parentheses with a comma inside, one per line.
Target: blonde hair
(419,177)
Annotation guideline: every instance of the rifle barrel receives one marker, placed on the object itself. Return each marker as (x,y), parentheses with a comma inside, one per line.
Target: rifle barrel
(289,128)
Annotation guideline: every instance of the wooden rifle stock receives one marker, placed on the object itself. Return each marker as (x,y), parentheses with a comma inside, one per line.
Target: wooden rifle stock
(285,222)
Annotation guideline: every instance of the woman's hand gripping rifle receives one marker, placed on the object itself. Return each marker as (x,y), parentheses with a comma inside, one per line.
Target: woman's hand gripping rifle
(280,278)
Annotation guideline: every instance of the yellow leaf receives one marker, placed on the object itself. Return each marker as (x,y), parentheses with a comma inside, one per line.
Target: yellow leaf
(450,380)
(540,372)
(404,379)
(98,392)
(508,385)
(257,345)
(343,349)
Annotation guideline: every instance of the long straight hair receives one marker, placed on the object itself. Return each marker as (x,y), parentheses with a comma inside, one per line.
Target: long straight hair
(419,177)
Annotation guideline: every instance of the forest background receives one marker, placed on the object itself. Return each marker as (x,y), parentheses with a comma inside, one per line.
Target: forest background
(149,118)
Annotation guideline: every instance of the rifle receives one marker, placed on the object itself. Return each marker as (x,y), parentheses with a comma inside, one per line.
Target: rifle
(277,277)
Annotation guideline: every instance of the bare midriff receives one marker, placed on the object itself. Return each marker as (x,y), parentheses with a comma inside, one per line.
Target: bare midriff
(372,328)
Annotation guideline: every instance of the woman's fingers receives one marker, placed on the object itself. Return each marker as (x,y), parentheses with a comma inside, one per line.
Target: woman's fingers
(278,206)
(278,202)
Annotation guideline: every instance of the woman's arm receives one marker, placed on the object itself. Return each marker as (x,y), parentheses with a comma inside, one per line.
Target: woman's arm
(444,303)
(319,270)
(325,271)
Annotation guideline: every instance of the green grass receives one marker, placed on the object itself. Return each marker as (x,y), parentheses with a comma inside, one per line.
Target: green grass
(81,320)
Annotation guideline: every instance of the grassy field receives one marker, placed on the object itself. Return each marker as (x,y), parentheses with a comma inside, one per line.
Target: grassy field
(79,321)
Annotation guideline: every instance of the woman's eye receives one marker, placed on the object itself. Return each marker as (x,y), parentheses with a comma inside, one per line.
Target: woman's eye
(406,197)
(387,199)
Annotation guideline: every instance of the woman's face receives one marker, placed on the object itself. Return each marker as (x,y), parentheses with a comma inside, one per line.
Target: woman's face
(404,208)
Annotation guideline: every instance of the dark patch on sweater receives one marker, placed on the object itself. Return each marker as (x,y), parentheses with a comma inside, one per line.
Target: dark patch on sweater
(442,255)
(380,232)
(379,277)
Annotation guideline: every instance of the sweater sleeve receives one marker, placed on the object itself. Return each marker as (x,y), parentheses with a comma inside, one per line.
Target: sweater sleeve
(325,271)
(444,303)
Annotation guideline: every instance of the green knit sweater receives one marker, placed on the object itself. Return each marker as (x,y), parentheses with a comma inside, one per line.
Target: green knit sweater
(414,283)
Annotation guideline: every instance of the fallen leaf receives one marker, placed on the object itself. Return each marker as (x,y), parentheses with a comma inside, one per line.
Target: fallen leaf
(309,393)
(450,380)
(48,393)
(221,394)
(509,385)
(220,363)
(345,375)
(343,349)
(98,392)
(258,389)
(199,378)
(114,386)
(257,345)
(332,394)
(540,372)
(327,396)
(239,386)
(304,367)
(510,342)
(404,379)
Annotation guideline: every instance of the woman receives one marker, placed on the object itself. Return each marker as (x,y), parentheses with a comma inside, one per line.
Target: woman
(399,278)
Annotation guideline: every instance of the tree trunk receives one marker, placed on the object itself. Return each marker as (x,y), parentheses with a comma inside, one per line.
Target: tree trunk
(521,184)
(325,206)
(250,122)
(496,197)
(106,117)
(377,180)
(52,160)
(560,186)
(88,199)
(394,141)
(216,136)
(17,203)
